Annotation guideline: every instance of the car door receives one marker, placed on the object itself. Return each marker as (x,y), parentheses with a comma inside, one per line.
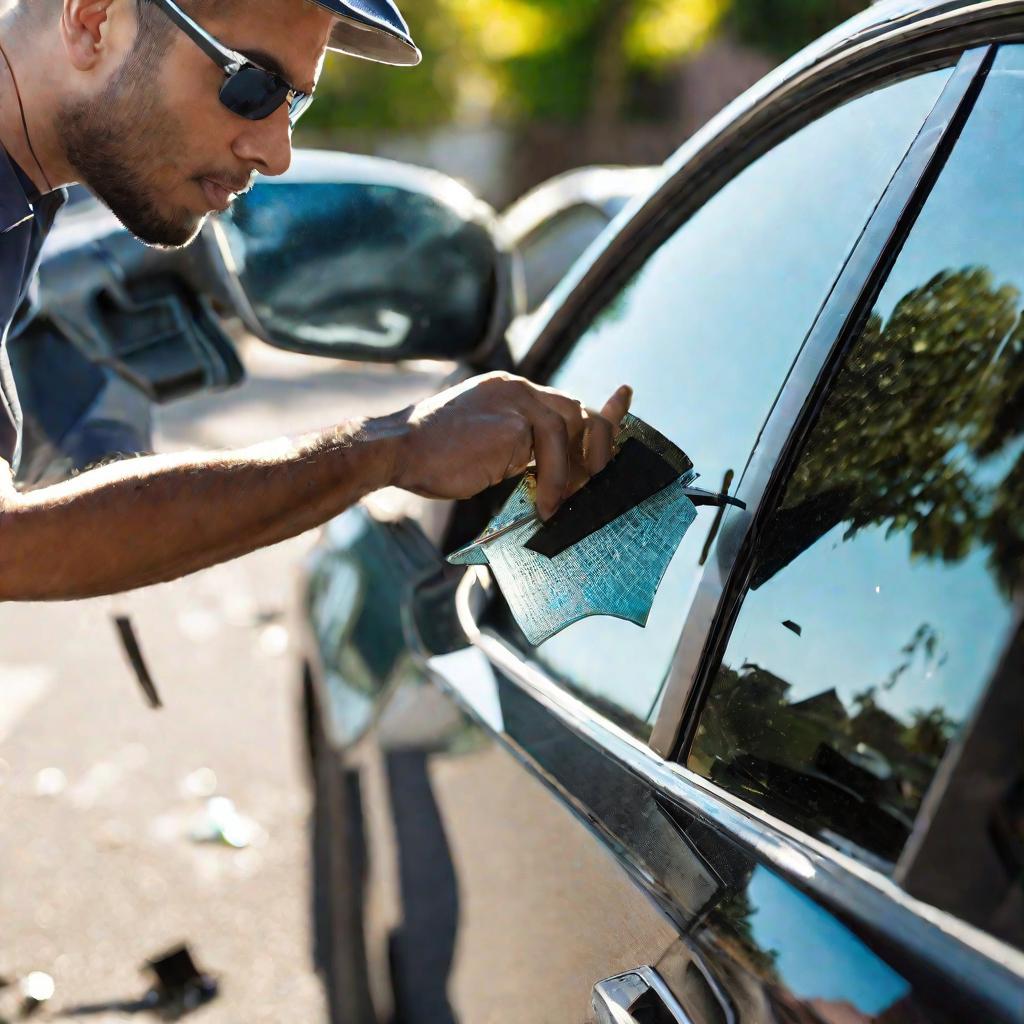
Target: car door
(536,845)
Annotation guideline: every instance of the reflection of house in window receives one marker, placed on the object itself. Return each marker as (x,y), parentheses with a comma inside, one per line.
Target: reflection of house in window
(879,730)
(761,686)
(826,708)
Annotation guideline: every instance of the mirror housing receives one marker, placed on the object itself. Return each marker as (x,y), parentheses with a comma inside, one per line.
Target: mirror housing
(362,258)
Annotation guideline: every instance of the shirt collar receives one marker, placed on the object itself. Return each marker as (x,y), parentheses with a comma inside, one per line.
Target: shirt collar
(15,207)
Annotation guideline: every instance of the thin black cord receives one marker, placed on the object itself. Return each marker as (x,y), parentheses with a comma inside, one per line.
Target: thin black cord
(24,120)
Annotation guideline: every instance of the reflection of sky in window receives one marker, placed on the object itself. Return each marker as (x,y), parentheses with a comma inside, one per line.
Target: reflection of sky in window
(857,603)
(817,958)
(988,164)
(708,329)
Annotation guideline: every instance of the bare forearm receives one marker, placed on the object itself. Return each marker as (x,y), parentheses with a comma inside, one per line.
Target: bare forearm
(153,519)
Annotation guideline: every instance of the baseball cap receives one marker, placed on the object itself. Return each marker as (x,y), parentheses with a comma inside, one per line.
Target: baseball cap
(373,30)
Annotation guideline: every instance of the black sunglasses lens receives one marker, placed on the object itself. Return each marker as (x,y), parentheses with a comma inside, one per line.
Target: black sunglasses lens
(253,93)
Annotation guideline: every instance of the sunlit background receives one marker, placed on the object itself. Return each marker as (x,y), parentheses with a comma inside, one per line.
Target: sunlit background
(511,92)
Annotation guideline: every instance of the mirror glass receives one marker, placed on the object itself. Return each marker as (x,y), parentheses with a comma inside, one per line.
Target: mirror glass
(362,271)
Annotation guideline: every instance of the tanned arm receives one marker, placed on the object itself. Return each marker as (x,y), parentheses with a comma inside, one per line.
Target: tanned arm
(153,519)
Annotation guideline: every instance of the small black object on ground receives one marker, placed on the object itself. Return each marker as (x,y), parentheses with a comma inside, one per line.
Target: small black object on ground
(180,988)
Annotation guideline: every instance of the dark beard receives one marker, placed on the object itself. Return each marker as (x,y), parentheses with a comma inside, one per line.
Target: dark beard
(112,142)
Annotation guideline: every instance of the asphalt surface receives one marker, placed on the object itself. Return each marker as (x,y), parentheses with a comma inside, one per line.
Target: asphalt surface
(105,852)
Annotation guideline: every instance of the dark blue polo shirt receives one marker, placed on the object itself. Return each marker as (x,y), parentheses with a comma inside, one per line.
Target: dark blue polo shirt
(25,218)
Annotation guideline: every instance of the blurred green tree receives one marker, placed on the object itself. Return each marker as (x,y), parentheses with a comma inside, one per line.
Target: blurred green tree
(356,96)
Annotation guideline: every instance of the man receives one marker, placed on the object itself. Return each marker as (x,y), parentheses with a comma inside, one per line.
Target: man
(137,99)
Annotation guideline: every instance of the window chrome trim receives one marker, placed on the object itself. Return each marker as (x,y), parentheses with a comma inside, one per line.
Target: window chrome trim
(859,892)
(869,263)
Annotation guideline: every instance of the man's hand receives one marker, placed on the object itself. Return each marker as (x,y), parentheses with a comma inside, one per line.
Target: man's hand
(487,429)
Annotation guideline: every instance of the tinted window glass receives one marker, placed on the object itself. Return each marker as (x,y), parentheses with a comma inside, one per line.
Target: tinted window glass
(706,332)
(883,595)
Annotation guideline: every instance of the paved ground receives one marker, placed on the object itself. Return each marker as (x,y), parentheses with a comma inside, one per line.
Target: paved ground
(99,795)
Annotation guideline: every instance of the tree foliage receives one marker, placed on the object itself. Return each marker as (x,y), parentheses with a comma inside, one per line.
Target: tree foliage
(923,431)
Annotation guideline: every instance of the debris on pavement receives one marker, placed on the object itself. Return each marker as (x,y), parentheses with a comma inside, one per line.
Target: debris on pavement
(200,783)
(273,640)
(180,988)
(36,988)
(51,782)
(221,822)
(267,616)
(133,652)
(180,985)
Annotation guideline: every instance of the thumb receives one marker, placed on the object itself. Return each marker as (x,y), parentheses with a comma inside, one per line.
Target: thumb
(618,405)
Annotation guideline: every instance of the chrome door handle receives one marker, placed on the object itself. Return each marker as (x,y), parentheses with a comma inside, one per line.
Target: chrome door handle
(636,996)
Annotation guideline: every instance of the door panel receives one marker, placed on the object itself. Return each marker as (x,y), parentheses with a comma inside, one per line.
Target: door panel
(546,912)
(488,900)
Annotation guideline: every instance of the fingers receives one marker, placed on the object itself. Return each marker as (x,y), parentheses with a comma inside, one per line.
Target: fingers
(600,443)
(551,450)
(568,455)
(603,428)
(571,411)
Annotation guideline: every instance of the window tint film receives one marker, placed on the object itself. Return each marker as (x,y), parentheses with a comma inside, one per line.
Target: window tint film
(706,332)
(883,595)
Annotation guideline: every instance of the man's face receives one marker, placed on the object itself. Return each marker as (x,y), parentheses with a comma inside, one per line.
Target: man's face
(158,146)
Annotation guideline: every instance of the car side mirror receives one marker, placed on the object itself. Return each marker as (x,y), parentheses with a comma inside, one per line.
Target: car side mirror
(361,258)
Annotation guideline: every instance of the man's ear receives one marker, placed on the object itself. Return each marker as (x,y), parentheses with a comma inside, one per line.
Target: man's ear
(87,28)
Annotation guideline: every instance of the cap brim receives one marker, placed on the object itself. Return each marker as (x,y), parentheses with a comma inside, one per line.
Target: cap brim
(373,30)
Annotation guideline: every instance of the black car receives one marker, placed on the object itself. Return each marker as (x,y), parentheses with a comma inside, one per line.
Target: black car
(798,794)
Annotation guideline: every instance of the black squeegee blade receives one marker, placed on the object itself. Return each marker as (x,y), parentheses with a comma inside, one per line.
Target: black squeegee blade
(633,475)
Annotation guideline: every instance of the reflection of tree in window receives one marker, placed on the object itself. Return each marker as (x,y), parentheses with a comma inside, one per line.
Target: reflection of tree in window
(920,437)
(918,425)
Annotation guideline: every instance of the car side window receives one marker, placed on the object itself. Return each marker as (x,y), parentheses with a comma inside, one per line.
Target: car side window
(706,332)
(886,589)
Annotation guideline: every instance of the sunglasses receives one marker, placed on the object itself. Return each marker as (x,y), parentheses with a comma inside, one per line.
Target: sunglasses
(250,91)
